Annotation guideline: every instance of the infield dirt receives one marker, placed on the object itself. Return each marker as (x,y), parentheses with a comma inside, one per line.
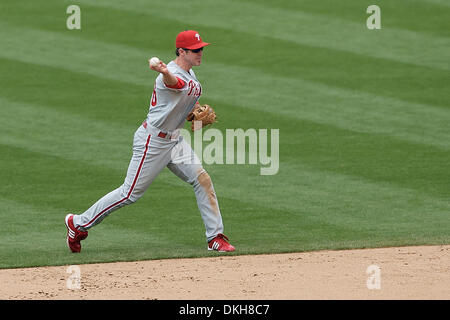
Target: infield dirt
(421,272)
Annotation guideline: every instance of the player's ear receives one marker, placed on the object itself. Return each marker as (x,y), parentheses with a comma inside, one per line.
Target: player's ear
(178,51)
(181,50)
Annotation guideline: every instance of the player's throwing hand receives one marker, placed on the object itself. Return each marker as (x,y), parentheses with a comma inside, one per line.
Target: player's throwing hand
(158,66)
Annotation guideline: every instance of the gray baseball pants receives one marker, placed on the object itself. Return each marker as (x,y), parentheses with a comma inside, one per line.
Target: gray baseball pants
(151,154)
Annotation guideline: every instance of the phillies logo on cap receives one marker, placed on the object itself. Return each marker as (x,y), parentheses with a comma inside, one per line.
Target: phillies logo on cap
(190,39)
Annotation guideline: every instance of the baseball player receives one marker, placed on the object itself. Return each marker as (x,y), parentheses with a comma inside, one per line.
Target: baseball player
(157,144)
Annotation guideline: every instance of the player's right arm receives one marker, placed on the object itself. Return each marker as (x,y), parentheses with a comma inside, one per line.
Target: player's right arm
(169,79)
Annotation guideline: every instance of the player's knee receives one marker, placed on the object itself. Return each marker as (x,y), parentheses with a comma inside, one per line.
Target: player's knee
(203,178)
(130,197)
(134,197)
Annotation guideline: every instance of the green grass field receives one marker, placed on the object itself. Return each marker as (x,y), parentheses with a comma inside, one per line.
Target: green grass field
(363,115)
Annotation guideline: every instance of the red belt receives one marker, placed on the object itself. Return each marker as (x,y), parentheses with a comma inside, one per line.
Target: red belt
(160,134)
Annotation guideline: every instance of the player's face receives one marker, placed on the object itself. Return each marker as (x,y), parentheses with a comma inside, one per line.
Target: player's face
(194,58)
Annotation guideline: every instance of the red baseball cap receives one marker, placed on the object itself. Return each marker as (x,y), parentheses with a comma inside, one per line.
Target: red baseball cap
(190,39)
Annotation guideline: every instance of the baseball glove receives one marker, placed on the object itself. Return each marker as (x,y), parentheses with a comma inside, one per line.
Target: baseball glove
(203,113)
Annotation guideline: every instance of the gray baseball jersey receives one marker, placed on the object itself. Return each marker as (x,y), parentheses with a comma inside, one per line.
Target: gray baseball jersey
(169,106)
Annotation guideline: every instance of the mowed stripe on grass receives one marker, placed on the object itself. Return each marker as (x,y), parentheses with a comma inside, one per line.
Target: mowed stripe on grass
(301,99)
(329,31)
(360,166)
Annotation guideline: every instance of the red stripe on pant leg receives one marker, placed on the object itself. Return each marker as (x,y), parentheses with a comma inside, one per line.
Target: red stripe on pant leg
(98,215)
(131,189)
(140,167)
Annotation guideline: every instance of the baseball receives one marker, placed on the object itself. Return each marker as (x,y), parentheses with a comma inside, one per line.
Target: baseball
(154,62)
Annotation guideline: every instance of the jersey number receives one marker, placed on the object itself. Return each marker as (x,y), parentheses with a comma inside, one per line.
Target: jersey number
(154,96)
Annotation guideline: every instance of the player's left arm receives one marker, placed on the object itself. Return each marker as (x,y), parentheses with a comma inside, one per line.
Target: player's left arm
(190,116)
